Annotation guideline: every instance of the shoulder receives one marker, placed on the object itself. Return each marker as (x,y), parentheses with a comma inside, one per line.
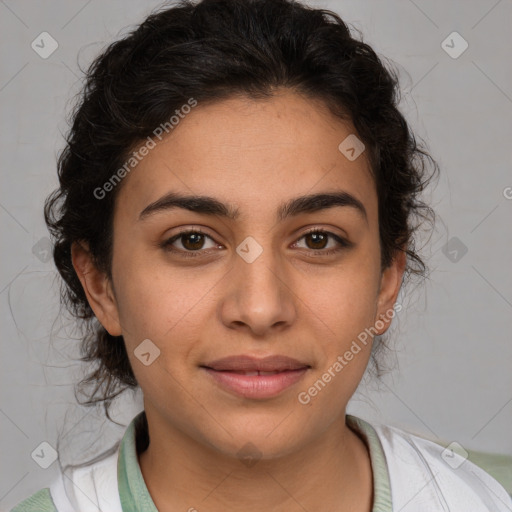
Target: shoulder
(423,474)
(86,488)
(92,485)
(41,501)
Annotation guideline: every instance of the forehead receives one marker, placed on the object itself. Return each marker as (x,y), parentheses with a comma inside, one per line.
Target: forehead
(251,152)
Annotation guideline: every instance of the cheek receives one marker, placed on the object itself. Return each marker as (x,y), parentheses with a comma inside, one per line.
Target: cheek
(158,303)
(160,306)
(346,305)
(347,322)
(346,298)
(347,314)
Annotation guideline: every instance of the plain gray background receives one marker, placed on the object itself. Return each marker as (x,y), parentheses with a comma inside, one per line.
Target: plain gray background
(453,379)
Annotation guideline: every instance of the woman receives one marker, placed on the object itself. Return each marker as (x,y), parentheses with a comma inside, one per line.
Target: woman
(235,219)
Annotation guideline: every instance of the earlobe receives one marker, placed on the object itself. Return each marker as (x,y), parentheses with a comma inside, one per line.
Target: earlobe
(97,288)
(391,282)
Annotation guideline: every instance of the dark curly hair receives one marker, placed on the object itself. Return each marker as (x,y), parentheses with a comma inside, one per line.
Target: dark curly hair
(214,50)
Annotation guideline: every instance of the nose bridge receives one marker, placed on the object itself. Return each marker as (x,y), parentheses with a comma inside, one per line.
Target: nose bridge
(258,265)
(259,296)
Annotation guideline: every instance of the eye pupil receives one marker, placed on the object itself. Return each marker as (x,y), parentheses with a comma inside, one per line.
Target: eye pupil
(318,237)
(195,245)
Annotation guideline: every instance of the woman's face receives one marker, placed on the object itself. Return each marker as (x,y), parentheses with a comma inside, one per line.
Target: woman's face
(254,285)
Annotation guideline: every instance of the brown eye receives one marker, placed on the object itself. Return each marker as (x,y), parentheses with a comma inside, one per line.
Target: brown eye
(192,241)
(318,240)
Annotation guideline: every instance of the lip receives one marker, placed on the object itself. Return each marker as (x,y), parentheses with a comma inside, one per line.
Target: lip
(231,374)
(249,363)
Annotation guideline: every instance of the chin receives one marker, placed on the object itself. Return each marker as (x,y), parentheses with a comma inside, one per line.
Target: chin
(257,438)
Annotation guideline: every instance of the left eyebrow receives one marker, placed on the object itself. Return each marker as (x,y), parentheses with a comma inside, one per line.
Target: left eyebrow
(207,205)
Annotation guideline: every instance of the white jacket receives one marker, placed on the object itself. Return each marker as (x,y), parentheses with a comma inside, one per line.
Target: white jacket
(421,480)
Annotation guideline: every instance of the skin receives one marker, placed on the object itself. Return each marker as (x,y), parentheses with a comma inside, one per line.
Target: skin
(291,300)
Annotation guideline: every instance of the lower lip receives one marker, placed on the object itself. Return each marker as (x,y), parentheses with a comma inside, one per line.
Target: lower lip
(257,386)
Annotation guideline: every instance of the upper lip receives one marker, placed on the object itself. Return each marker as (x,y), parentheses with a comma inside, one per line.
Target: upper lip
(249,363)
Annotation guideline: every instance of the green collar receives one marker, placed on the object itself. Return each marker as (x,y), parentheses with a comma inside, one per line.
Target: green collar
(132,488)
(381,484)
(135,495)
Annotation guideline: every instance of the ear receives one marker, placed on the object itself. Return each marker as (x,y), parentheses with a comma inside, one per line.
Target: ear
(390,284)
(97,288)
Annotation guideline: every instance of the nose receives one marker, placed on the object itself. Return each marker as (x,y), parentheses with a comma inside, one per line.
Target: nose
(259,298)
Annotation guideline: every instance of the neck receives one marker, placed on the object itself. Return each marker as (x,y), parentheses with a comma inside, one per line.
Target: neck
(333,472)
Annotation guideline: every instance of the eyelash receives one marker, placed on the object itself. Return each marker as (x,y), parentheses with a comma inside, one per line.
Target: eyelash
(167,244)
